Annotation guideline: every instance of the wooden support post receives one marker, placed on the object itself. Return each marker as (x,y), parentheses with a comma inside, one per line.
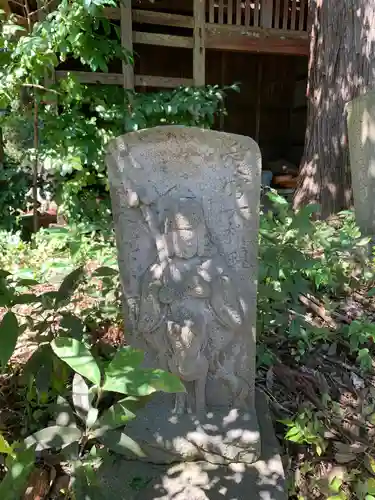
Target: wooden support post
(238,13)
(247,13)
(127,42)
(285,15)
(259,101)
(276,20)
(222,83)
(230,12)
(301,22)
(199,55)
(266,13)
(293,18)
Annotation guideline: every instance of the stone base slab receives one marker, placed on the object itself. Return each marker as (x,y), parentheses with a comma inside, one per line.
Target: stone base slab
(202,480)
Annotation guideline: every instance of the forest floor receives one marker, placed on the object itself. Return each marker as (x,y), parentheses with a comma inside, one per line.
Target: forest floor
(320,384)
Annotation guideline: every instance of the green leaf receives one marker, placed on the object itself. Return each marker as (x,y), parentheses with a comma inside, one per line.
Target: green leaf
(371,486)
(123,376)
(9,331)
(105,271)
(120,443)
(78,357)
(69,285)
(13,485)
(82,398)
(55,437)
(63,413)
(116,416)
(5,446)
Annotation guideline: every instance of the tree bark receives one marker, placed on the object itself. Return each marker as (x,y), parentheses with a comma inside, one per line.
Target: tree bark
(341,67)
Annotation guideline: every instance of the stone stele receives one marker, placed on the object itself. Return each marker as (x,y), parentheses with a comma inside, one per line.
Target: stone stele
(361,131)
(185,205)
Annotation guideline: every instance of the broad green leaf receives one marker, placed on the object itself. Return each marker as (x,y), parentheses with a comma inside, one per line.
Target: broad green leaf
(13,485)
(5,446)
(9,331)
(116,416)
(120,443)
(82,398)
(123,376)
(69,285)
(73,325)
(78,357)
(56,437)
(105,271)
(371,486)
(64,415)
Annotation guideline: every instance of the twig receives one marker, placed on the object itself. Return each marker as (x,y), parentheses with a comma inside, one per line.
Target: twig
(319,310)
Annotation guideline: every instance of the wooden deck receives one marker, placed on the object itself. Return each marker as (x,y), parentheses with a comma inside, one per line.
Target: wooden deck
(257,26)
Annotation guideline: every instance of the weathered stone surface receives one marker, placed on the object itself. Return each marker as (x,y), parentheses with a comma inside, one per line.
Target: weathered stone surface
(185,204)
(361,130)
(222,436)
(202,480)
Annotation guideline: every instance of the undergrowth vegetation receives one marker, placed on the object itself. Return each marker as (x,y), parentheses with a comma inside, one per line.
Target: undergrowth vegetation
(61,294)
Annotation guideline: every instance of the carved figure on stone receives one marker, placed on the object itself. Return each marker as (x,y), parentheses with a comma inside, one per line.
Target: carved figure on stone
(185,207)
(186,289)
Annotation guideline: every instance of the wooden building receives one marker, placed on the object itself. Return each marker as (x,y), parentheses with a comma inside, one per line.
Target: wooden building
(261,44)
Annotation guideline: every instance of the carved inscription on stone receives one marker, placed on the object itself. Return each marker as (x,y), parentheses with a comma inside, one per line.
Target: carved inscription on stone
(185,204)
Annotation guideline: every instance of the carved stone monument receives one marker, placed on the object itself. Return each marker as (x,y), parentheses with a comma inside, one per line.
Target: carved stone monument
(185,205)
(361,130)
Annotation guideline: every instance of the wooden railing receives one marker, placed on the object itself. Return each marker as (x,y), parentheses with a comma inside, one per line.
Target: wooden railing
(278,14)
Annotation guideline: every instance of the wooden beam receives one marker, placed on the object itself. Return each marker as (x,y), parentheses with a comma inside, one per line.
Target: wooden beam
(162,18)
(162,81)
(127,42)
(199,55)
(162,40)
(258,40)
(117,79)
(93,78)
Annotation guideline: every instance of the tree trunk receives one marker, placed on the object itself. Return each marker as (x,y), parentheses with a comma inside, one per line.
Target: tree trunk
(341,67)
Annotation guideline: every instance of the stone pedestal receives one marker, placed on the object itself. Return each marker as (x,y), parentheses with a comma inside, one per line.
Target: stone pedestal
(186,210)
(361,130)
(202,480)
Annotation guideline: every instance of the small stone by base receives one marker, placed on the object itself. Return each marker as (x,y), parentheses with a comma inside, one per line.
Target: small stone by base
(202,480)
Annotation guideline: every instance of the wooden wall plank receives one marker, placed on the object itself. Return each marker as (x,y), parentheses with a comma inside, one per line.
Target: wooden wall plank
(266,13)
(256,12)
(301,23)
(221,11)
(211,16)
(247,12)
(293,17)
(127,42)
(162,18)
(285,15)
(162,40)
(276,20)
(257,40)
(199,52)
(117,79)
(230,11)
(238,13)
